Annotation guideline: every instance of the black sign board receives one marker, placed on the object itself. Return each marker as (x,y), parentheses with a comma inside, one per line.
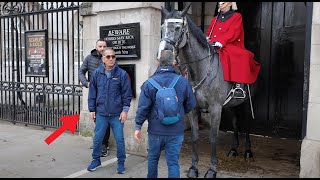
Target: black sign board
(124,39)
(36,53)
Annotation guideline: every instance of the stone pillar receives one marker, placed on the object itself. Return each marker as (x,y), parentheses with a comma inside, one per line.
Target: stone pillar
(98,14)
(86,125)
(310,147)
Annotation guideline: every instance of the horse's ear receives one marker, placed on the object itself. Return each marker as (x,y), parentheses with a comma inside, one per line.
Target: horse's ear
(185,10)
(164,11)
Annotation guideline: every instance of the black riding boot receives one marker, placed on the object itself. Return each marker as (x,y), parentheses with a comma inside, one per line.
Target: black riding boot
(239,90)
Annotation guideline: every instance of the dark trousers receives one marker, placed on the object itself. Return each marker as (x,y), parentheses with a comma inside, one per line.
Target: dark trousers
(106,137)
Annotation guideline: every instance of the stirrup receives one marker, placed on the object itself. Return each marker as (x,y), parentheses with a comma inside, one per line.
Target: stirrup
(232,94)
(242,92)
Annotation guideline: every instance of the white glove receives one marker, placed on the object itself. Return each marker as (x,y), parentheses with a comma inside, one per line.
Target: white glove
(218,44)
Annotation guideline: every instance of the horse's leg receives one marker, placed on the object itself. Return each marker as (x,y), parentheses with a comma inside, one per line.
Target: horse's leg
(235,138)
(193,170)
(248,155)
(215,116)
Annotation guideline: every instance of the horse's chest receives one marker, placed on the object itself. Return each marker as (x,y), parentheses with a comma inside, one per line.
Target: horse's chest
(202,101)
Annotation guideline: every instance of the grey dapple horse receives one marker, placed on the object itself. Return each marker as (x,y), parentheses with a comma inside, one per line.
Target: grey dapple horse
(200,60)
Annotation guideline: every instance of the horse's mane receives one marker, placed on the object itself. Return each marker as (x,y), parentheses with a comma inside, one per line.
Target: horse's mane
(196,31)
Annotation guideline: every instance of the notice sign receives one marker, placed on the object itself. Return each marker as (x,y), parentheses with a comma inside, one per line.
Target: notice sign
(124,39)
(36,53)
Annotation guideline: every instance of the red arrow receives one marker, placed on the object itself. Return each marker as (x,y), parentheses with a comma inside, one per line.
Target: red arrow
(69,122)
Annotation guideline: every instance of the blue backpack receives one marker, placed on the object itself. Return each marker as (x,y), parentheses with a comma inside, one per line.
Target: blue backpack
(167,102)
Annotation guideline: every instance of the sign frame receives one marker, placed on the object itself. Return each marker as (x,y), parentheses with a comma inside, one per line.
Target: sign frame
(124,39)
(36,52)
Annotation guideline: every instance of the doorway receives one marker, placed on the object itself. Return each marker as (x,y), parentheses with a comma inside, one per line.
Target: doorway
(275,33)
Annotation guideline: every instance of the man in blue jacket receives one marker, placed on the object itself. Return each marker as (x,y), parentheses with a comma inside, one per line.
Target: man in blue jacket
(91,63)
(162,136)
(108,102)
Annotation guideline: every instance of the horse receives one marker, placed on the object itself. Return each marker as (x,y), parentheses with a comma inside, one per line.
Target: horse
(201,61)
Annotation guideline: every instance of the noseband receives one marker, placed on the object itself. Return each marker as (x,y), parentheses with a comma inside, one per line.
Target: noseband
(184,32)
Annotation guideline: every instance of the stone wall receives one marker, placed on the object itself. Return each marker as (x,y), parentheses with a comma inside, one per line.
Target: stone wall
(310,148)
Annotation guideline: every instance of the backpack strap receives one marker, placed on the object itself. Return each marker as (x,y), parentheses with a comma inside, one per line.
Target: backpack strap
(174,82)
(154,83)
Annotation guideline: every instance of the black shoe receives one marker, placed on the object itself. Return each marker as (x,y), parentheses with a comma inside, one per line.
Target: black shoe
(104,151)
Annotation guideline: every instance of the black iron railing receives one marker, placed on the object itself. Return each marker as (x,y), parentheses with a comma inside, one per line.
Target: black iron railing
(40,100)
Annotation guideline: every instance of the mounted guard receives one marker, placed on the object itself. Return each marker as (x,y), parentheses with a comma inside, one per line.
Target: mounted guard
(226,33)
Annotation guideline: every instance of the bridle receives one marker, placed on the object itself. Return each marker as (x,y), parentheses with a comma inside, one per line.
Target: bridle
(184,30)
(180,43)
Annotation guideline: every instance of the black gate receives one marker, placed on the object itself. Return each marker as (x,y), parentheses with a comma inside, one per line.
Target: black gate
(38,81)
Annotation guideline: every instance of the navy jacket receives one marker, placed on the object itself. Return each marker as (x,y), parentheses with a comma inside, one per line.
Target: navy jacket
(108,96)
(146,110)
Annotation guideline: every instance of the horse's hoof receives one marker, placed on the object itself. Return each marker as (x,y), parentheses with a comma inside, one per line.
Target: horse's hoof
(210,174)
(193,172)
(248,155)
(233,153)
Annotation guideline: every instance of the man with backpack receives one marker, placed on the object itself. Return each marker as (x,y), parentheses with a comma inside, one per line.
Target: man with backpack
(164,99)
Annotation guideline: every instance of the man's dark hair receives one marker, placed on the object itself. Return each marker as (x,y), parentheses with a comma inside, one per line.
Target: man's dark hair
(166,58)
(100,40)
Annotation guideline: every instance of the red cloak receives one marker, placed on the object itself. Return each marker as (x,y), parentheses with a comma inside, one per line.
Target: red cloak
(238,63)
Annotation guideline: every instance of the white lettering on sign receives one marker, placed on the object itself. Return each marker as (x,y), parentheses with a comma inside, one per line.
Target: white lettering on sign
(125,52)
(110,38)
(129,47)
(120,37)
(119,32)
(130,37)
(116,47)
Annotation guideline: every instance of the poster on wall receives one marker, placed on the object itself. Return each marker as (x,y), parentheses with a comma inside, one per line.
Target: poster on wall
(36,53)
(124,39)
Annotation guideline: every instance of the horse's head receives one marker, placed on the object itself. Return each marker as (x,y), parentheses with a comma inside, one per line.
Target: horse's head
(174,30)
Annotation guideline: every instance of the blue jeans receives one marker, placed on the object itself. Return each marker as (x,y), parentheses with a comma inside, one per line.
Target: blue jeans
(172,146)
(102,123)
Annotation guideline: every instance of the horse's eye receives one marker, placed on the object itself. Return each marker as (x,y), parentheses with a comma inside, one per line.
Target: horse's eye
(177,28)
